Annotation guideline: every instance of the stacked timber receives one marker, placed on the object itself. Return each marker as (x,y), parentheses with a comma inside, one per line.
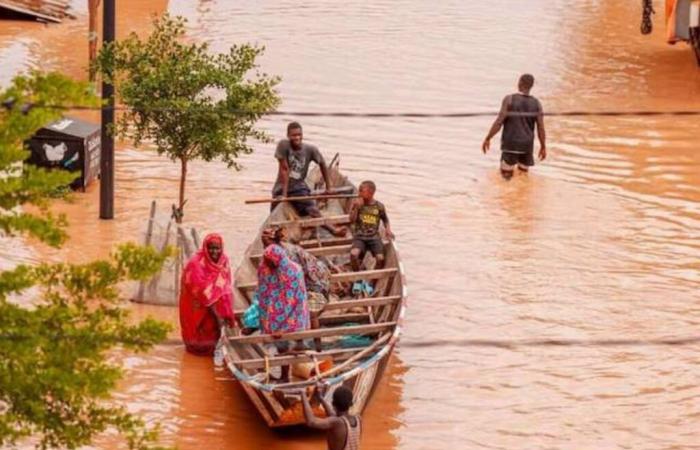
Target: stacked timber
(45,10)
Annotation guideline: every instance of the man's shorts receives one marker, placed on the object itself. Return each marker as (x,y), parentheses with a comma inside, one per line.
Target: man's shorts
(523,160)
(302,207)
(374,245)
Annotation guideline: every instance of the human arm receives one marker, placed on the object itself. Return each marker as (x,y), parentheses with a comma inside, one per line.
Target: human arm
(355,209)
(385,220)
(321,423)
(282,155)
(324,170)
(497,124)
(541,135)
(283,176)
(223,311)
(320,395)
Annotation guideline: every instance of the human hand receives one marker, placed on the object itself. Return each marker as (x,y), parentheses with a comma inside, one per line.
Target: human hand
(486,146)
(299,392)
(321,388)
(543,153)
(390,234)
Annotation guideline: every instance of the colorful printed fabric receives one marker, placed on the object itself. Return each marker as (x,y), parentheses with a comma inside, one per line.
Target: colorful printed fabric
(205,292)
(281,293)
(317,275)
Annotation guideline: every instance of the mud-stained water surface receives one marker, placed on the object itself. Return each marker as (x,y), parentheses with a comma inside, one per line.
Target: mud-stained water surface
(600,243)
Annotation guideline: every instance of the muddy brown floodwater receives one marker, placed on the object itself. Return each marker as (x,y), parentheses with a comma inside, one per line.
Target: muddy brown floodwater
(599,243)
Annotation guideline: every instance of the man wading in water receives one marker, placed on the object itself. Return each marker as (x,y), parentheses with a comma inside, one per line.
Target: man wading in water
(517,140)
(343,429)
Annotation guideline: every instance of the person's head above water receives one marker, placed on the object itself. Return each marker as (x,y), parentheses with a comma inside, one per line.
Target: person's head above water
(295,134)
(214,247)
(342,400)
(367,190)
(525,83)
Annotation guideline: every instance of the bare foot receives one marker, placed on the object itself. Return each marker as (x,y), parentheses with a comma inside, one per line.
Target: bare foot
(339,231)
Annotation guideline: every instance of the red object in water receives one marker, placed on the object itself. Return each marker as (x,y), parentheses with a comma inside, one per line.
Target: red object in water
(205,287)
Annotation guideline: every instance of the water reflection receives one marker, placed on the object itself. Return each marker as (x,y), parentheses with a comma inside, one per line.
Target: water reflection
(597,244)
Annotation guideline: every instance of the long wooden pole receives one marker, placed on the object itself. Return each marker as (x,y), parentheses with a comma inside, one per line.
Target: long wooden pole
(107,150)
(302,197)
(93,6)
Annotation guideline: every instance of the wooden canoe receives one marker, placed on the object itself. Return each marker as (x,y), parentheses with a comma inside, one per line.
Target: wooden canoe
(252,359)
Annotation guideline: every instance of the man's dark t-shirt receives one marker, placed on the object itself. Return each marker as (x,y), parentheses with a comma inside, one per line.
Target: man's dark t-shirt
(519,132)
(298,161)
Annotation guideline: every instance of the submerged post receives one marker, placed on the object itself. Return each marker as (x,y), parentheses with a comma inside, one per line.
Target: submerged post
(107,157)
(93,7)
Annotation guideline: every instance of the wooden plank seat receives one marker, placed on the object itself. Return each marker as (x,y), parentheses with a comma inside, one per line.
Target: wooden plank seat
(330,242)
(311,334)
(275,361)
(344,277)
(377,274)
(339,319)
(348,304)
(315,222)
(330,250)
(317,251)
(376,301)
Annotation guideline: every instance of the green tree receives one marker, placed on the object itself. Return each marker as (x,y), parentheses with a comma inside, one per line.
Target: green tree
(59,322)
(190,103)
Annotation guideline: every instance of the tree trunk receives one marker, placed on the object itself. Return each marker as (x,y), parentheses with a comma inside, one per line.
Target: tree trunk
(183,178)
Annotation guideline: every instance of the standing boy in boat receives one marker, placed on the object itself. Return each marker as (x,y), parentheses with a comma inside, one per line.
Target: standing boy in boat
(344,430)
(517,140)
(365,214)
(294,157)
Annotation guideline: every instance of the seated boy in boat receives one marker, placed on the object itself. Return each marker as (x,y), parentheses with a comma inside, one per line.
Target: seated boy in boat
(365,214)
(294,157)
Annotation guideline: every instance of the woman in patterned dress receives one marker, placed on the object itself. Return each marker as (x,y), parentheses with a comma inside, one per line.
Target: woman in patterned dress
(281,296)
(317,275)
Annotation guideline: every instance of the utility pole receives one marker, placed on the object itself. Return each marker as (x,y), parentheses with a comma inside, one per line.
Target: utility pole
(93,9)
(107,154)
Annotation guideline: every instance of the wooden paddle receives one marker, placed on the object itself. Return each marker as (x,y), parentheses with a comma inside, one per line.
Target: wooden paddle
(339,192)
(303,197)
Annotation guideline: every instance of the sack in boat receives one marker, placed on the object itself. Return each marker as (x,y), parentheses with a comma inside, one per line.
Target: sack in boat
(317,302)
(307,370)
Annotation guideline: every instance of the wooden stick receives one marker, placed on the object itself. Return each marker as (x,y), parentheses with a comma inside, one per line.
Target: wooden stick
(343,277)
(348,304)
(379,342)
(285,360)
(373,347)
(300,198)
(178,263)
(196,239)
(149,237)
(314,222)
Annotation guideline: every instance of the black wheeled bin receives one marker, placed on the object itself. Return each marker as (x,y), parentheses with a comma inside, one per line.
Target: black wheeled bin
(69,144)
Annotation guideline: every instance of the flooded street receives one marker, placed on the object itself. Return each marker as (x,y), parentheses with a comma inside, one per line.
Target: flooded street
(599,243)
